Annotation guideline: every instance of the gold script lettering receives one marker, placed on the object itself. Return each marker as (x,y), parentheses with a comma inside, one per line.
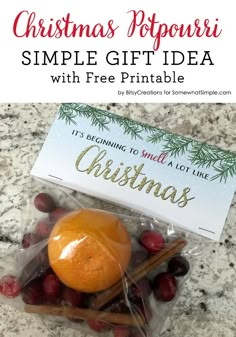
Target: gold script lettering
(93,158)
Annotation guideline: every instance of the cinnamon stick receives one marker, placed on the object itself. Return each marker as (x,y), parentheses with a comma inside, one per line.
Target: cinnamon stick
(86,314)
(138,273)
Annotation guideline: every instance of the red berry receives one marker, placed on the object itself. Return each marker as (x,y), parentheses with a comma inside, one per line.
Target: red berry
(44,202)
(152,241)
(10,286)
(51,287)
(121,331)
(32,293)
(98,326)
(72,297)
(30,239)
(164,287)
(138,257)
(43,228)
(57,214)
(141,289)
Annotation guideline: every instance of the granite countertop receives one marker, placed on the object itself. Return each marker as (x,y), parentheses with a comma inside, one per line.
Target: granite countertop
(207,305)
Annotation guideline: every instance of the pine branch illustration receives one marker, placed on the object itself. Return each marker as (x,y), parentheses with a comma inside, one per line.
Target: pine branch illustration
(100,121)
(201,156)
(67,114)
(156,137)
(169,136)
(204,155)
(82,110)
(132,129)
(127,123)
(97,117)
(148,128)
(115,119)
(225,170)
(177,145)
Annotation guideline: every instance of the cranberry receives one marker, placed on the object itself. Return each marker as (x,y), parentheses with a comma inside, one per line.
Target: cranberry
(178,266)
(140,289)
(98,326)
(10,286)
(57,214)
(121,331)
(164,287)
(44,202)
(72,297)
(51,287)
(152,241)
(30,239)
(32,293)
(43,229)
(138,257)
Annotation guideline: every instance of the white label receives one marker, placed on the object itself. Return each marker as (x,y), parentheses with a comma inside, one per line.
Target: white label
(160,174)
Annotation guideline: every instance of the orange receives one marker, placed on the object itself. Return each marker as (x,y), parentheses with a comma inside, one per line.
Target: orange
(89,250)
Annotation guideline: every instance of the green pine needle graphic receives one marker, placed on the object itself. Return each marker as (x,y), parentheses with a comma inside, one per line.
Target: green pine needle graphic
(101,119)
(67,114)
(177,145)
(157,136)
(225,169)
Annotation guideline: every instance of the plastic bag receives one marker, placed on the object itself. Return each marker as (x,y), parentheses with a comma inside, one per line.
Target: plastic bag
(95,267)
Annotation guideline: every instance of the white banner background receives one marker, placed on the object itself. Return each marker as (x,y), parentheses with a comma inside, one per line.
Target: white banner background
(28,83)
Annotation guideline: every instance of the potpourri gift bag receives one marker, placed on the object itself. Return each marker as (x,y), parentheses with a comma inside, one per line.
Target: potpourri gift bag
(95,270)
(116,214)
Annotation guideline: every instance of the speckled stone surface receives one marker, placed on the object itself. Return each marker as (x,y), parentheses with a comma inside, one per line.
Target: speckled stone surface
(207,305)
